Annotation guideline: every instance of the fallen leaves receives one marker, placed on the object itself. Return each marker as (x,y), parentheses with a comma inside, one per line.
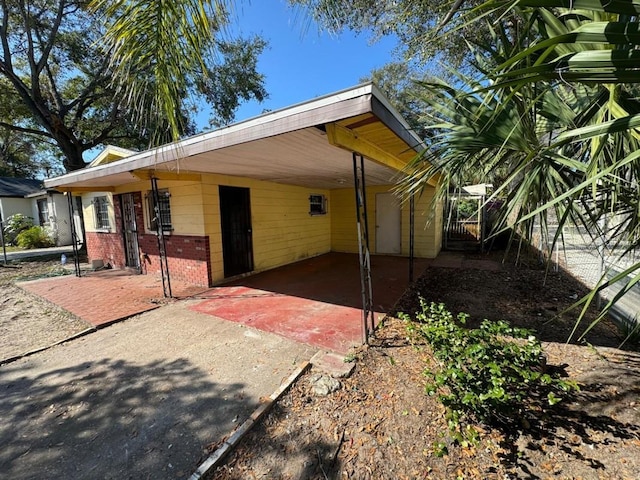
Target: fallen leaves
(381,424)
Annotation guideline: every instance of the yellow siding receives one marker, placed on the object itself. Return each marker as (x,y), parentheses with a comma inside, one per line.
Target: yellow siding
(89,212)
(344,233)
(428,235)
(187,216)
(283,230)
(428,227)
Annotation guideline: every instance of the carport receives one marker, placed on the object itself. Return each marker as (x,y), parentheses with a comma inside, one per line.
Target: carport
(289,185)
(324,312)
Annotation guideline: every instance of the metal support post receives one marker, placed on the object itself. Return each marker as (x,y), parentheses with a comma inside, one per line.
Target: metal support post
(483,223)
(364,203)
(363,249)
(4,247)
(412,228)
(74,236)
(162,247)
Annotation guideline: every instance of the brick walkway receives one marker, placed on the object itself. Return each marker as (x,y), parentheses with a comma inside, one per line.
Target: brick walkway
(104,297)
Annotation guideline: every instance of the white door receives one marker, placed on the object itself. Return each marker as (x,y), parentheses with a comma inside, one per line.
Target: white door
(388,233)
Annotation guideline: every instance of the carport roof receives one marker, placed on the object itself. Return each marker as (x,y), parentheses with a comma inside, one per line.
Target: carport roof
(308,144)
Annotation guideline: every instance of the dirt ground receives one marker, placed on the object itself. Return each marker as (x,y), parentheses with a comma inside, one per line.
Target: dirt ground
(381,424)
(27,322)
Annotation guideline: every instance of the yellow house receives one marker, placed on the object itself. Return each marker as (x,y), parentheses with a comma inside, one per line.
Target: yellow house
(285,186)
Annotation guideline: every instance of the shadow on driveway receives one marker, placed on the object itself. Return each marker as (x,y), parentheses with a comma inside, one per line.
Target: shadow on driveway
(142,399)
(112,419)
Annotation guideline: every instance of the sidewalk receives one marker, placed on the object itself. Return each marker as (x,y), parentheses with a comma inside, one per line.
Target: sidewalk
(37,252)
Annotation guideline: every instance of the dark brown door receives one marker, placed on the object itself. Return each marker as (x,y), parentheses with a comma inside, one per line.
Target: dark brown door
(235,214)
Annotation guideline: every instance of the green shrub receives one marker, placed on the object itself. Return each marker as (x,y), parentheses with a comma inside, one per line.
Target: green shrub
(492,374)
(15,224)
(34,237)
(468,208)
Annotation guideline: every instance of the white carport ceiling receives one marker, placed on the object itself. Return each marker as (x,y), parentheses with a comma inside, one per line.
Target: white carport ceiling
(288,146)
(303,158)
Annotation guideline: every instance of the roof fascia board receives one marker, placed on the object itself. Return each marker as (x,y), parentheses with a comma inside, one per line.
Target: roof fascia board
(394,120)
(41,193)
(326,109)
(73,189)
(164,175)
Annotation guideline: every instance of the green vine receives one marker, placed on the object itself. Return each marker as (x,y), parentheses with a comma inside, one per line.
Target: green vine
(492,374)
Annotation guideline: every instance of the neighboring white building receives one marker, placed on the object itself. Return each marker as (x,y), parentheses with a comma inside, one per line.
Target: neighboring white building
(48,208)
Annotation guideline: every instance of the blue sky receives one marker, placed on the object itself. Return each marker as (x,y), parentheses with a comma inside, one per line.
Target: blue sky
(302,62)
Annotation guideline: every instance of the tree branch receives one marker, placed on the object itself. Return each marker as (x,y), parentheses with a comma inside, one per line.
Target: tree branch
(46,49)
(6,61)
(30,131)
(88,94)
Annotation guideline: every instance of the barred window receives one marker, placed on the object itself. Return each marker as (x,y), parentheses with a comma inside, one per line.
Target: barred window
(101,208)
(317,205)
(164,210)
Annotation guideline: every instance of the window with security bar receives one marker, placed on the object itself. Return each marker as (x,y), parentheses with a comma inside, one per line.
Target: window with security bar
(317,205)
(101,208)
(164,210)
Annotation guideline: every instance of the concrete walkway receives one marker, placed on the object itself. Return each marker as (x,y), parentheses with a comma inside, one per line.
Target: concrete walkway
(37,252)
(145,398)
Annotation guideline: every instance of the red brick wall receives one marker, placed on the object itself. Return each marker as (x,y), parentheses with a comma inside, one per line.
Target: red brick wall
(188,256)
(106,246)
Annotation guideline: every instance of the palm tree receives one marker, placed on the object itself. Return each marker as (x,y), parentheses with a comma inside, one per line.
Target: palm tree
(542,125)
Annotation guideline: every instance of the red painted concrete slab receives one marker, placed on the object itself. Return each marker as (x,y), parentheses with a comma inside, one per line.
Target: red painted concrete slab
(100,298)
(316,301)
(326,325)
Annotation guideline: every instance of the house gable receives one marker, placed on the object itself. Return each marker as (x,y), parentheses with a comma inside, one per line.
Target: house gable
(110,154)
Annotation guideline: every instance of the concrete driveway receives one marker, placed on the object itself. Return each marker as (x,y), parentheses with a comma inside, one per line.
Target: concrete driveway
(143,398)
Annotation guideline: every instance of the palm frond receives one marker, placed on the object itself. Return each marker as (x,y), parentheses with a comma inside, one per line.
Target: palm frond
(172,39)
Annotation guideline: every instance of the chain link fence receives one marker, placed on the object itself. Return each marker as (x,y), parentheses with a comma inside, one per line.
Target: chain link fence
(589,260)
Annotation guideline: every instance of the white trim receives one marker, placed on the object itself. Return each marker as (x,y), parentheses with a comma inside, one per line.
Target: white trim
(111,150)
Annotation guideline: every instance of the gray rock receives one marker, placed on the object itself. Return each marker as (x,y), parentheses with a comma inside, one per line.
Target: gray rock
(323,385)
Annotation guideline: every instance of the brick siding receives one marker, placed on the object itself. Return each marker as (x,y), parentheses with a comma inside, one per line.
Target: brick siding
(106,246)
(188,256)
